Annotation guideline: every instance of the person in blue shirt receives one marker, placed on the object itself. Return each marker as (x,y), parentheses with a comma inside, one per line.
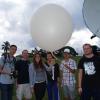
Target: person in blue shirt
(6,78)
(37,75)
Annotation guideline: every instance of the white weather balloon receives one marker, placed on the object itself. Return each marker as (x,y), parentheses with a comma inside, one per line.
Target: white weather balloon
(91,15)
(51,27)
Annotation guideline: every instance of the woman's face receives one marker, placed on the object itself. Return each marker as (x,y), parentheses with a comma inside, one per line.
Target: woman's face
(37,58)
(49,56)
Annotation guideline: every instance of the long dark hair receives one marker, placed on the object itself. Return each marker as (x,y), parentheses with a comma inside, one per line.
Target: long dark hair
(40,64)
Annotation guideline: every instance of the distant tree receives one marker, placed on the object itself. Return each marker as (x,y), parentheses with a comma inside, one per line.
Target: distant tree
(43,53)
(60,51)
(5,47)
(72,50)
(32,52)
(95,49)
(57,53)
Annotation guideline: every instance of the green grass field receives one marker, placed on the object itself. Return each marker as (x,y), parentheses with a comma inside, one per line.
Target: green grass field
(46,97)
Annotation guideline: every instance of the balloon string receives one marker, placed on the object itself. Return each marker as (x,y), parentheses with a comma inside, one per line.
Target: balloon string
(56,57)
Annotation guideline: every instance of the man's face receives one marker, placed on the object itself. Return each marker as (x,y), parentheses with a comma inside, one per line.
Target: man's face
(66,55)
(25,54)
(87,50)
(12,50)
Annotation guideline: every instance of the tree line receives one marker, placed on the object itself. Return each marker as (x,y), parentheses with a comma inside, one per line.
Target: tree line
(58,53)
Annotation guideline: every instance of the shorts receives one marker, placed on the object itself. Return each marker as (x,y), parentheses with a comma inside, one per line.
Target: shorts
(69,91)
(23,90)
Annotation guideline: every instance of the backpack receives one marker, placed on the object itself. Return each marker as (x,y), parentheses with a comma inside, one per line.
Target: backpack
(5,60)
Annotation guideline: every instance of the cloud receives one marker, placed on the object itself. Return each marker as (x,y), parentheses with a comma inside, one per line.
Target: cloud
(16,14)
(15,18)
(81,37)
(6,6)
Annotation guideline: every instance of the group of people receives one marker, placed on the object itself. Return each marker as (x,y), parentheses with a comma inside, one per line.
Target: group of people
(41,75)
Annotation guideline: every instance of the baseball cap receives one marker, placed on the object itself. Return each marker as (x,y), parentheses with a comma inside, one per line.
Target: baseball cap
(66,51)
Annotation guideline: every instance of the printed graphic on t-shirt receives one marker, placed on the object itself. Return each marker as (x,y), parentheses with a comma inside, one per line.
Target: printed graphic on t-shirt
(89,68)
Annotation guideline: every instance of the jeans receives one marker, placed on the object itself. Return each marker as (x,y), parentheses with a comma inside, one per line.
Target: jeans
(6,91)
(93,93)
(39,90)
(52,90)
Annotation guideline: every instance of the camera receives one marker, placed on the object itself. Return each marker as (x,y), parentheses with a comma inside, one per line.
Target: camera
(13,74)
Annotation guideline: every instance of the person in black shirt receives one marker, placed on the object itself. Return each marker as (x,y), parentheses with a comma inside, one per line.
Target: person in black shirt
(22,67)
(89,75)
(52,70)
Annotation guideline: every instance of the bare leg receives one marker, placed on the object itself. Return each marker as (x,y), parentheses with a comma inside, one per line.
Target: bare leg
(67,98)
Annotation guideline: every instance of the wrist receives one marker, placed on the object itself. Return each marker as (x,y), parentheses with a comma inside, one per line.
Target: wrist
(31,86)
(79,87)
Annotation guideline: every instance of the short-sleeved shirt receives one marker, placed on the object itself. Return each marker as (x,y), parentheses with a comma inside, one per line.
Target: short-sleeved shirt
(91,71)
(68,77)
(22,68)
(8,66)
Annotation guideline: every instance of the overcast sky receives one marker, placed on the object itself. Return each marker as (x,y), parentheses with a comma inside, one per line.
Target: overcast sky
(15,22)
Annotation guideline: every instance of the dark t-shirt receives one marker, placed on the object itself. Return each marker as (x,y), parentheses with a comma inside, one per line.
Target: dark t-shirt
(22,67)
(91,71)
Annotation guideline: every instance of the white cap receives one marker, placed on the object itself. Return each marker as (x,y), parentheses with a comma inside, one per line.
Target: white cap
(67,50)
